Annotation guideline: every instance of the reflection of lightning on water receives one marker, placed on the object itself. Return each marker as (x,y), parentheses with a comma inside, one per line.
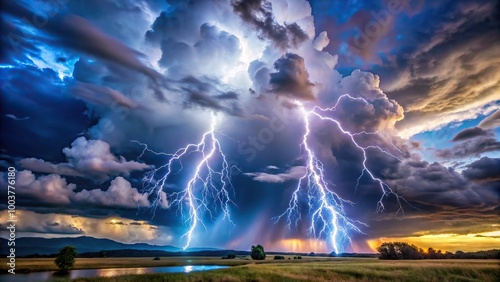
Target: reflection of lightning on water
(208,188)
(328,217)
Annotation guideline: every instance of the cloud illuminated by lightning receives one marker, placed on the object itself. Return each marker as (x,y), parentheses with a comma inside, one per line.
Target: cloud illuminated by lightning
(208,189)
(327,208)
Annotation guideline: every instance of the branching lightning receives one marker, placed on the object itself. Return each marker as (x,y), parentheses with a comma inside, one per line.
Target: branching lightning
(327,208)
(208,189)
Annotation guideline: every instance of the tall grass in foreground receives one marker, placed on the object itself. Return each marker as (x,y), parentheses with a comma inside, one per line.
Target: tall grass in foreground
(349,270)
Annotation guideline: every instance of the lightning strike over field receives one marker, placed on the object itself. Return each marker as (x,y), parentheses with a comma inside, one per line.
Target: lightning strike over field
(208,189)
(328,217)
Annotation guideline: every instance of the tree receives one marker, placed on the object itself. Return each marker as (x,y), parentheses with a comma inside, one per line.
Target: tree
(387,251)
(66,258)
(399,250)
(257,253)
(102,254)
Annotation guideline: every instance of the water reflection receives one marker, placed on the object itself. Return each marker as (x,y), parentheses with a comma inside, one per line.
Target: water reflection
(85,273)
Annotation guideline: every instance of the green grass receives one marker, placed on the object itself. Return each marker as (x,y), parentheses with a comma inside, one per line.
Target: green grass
(307,269)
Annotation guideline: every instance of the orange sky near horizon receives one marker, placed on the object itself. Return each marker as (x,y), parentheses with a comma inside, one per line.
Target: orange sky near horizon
(447,242)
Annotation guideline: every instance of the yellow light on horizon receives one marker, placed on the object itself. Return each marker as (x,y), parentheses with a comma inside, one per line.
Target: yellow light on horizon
(446,242)
(300,245)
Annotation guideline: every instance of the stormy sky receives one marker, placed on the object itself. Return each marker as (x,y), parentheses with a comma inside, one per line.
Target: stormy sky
(86,83)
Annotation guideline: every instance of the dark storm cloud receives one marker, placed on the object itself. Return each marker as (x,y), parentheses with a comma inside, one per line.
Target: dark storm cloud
(452,190)
(259,14)
(230,95)
(52,227)
(11,35)
(442,200)
(103,95)
(291,78)
(434,186)
(123,28)
(437,60)
(205,93)
(484,169)
(452,67)
(76,32)
(471,147)
(43,99)
(470,133)
(70,32)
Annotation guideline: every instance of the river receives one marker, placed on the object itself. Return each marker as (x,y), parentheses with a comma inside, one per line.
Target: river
(108,272)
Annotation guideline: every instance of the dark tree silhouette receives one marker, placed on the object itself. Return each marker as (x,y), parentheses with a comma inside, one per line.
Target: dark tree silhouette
(66,258)
(402,250)
(257,252)
(399,250)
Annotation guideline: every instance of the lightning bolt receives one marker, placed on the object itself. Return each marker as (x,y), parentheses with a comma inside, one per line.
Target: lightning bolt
(327,208)
(208,189)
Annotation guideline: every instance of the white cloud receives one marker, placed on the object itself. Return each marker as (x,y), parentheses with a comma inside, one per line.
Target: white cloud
(53,189)
(86,158)
(120,193)
(295,172)
(321,41)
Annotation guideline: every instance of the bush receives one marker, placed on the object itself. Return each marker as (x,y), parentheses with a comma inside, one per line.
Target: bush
(66,258)
(230,256)
(257,253)
(297,257)
(156,258)
(279,257)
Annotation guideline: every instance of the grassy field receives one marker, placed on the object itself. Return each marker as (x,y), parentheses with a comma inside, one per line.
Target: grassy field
(307,269)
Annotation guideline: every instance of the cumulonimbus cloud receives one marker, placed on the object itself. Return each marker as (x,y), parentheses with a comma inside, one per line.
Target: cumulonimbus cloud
(53,189)
(291,78)
(87,158)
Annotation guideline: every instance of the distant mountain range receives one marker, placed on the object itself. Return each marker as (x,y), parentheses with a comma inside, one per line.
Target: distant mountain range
(84,244)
